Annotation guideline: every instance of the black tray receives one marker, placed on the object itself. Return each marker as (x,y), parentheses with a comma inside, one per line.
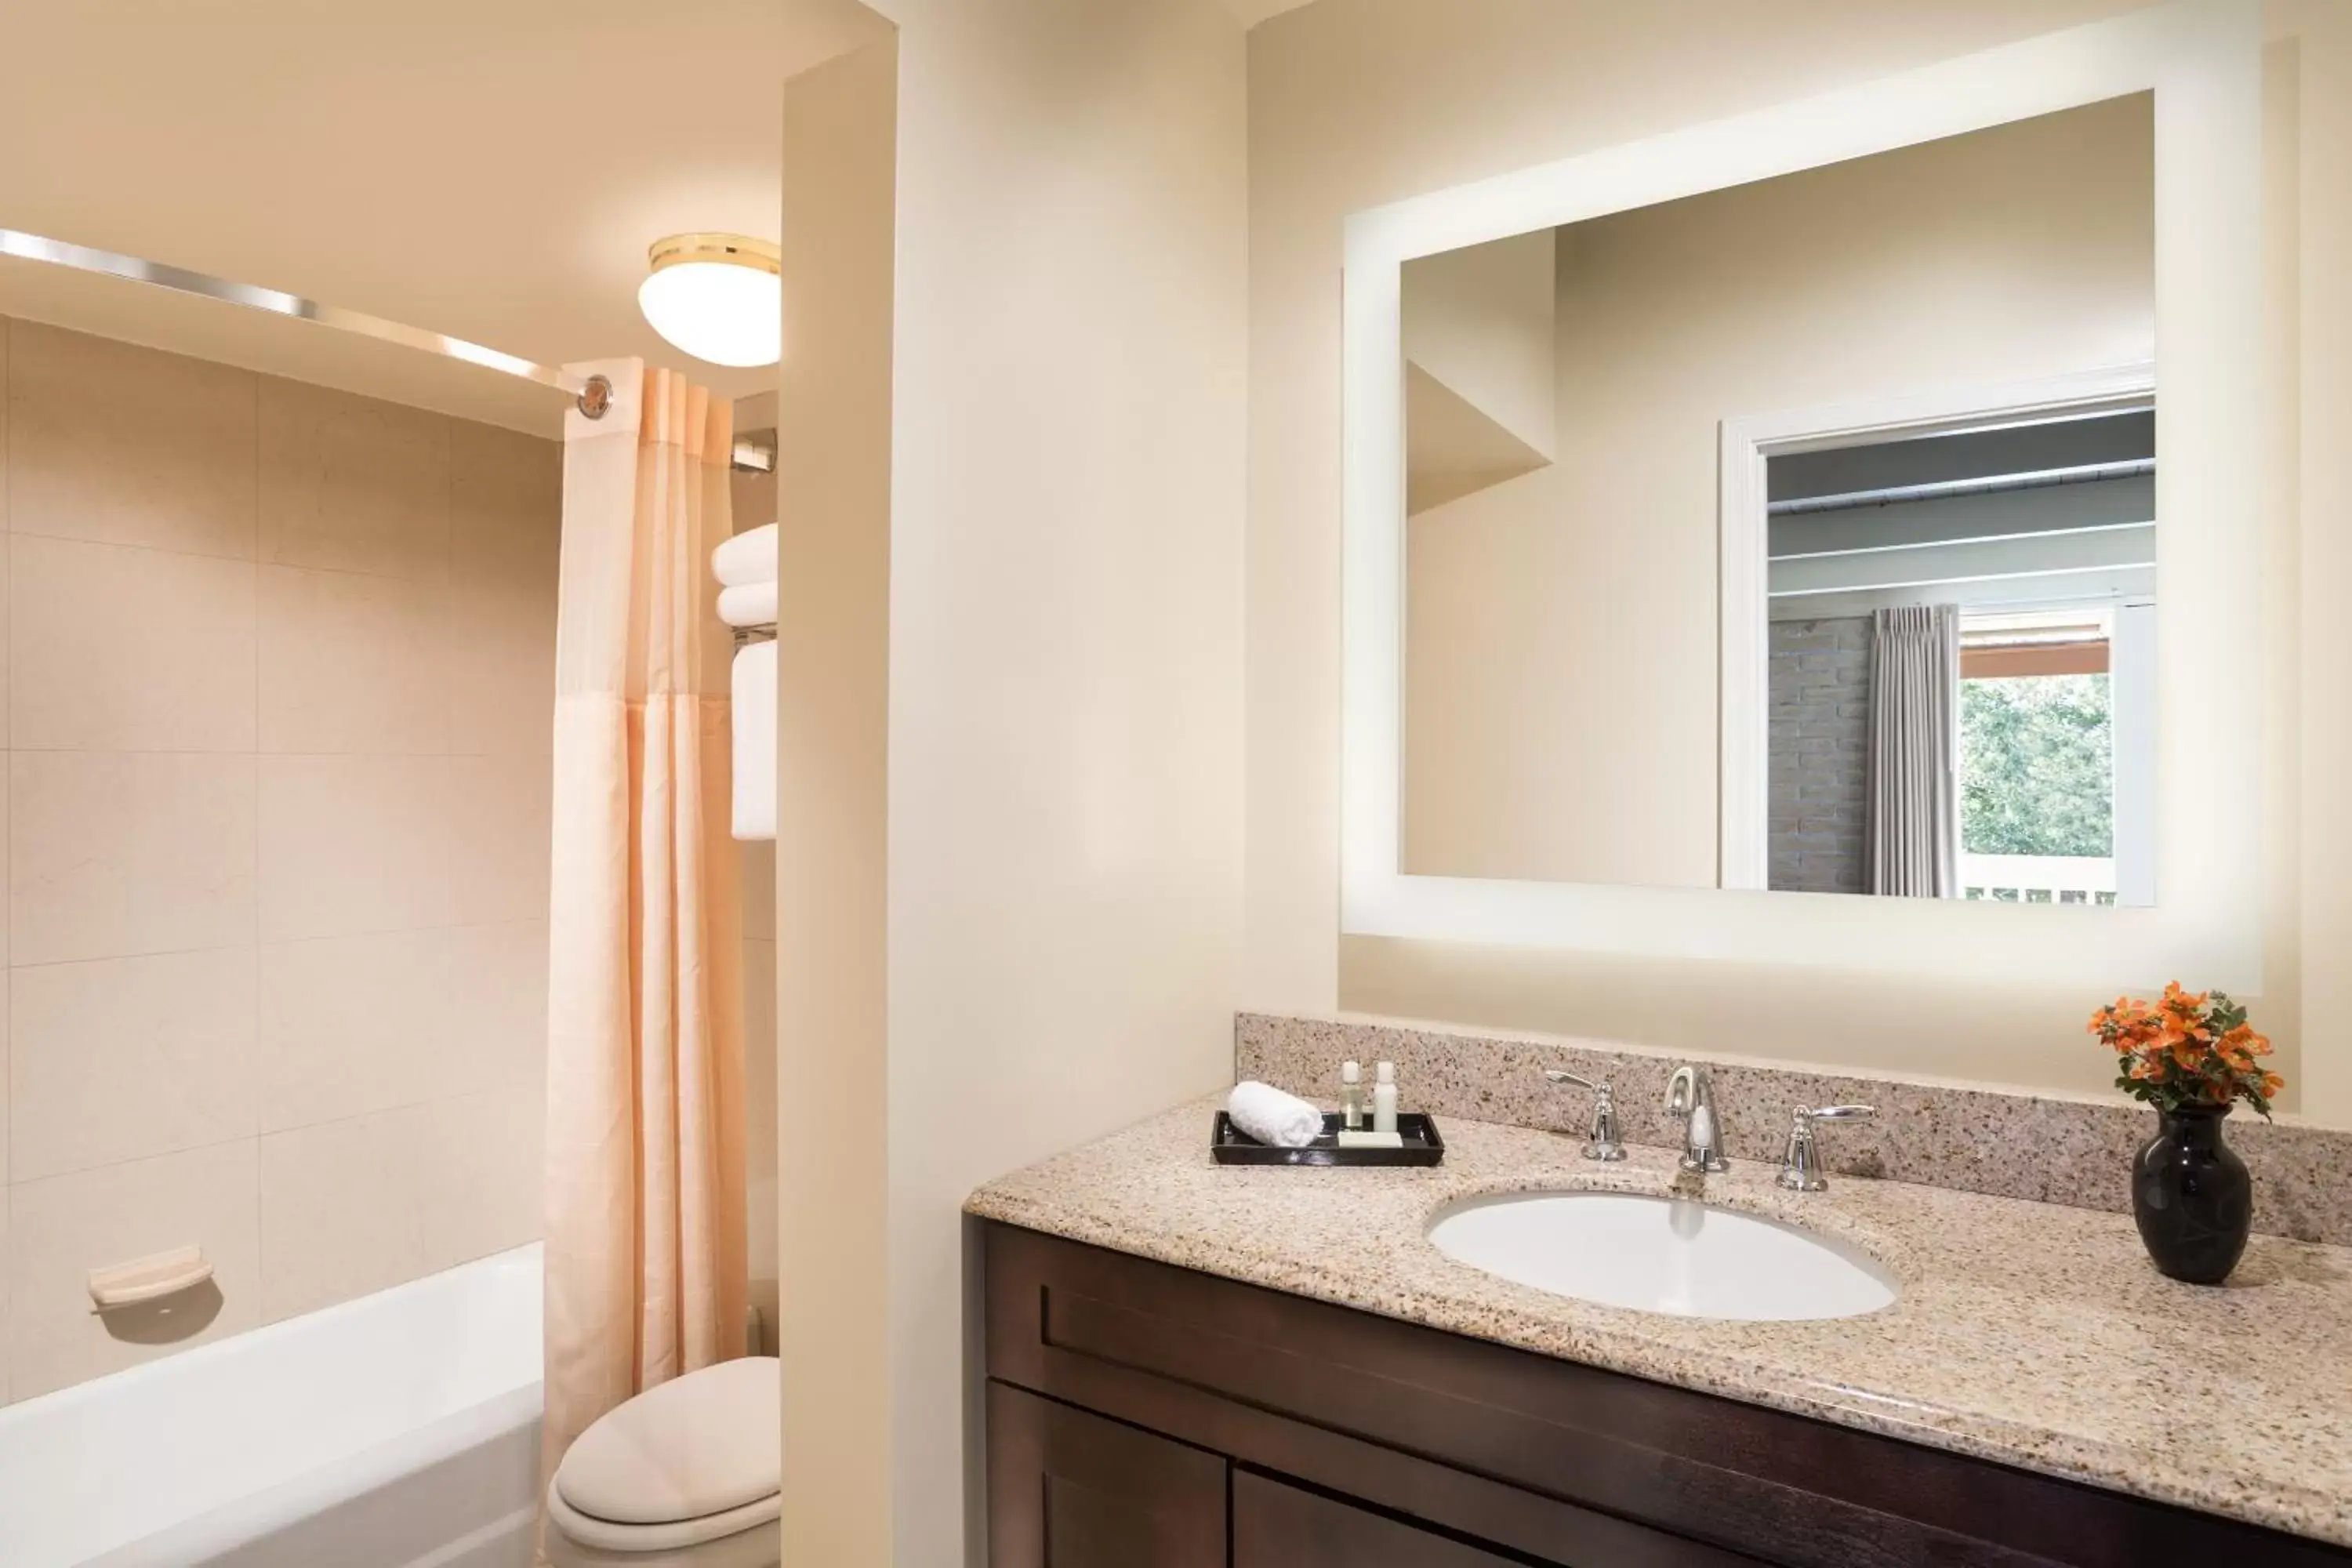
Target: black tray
(1232,1146)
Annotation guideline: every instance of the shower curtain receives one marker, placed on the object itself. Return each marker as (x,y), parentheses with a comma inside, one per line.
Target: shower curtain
(645,1244)
(1914,746)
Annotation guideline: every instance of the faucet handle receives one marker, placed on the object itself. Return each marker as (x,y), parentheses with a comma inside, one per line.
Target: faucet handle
(1603,1143)
(1801,1169)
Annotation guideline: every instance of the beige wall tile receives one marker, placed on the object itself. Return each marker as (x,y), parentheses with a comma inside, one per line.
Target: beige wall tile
(759,1101)
(6,553)
(61,1228)
(128,446)
(485,1176)
(8,328)
(500,822)
(351,663)
(4,1114)
(495,1022)
(124,1058)
(340,1209)
(112,854)
(507,520)
(114,648)
(506,500)
(351,484)
(351,845)
(501,672)
(756,866)
(353,1024)
(5,1395)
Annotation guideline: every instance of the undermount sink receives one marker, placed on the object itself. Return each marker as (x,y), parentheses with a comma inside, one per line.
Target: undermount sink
(1662,1255)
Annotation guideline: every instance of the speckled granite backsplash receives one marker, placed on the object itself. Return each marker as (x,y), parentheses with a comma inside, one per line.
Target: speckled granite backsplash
(2007,1144)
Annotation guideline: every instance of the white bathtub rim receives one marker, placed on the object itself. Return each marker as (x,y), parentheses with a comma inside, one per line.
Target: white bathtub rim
(95,1388)
(336,1481)
(81,1526)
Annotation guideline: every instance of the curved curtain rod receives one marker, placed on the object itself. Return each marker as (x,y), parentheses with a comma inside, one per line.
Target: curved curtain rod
(593,395)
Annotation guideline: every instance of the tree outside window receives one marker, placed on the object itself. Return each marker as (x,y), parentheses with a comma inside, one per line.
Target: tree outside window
(2037,773)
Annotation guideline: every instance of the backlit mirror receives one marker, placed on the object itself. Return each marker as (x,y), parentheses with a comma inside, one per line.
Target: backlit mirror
(1798,535)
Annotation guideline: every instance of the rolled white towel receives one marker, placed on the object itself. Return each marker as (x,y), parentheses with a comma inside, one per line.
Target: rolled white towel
(1265,1113)
(754,691)
(748,557)
(752,605)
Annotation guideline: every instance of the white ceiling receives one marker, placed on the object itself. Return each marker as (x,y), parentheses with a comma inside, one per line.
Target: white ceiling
(491,171)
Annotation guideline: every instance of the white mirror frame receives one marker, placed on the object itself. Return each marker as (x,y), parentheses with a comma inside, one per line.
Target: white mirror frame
(2202,58)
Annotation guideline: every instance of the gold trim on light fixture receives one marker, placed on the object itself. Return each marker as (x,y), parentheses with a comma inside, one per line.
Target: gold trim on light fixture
(733,249)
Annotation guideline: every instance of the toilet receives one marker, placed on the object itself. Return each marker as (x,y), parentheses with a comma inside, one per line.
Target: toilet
(683,1476)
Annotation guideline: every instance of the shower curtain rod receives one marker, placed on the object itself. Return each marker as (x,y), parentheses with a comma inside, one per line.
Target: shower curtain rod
(593,395)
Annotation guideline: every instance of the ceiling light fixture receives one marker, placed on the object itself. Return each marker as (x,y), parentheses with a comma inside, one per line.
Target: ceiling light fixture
(715,296)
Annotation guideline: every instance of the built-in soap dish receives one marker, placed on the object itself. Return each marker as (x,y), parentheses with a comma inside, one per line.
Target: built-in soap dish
(148,1279)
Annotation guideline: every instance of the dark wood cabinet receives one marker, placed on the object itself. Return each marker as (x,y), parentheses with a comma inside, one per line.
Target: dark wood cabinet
(1068,1489)
(1137,1411)
(1280,1526)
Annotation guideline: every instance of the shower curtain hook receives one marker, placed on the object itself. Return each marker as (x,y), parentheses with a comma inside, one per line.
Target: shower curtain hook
(596,398)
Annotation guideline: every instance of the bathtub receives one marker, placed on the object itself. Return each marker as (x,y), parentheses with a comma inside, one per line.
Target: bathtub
(400,1430)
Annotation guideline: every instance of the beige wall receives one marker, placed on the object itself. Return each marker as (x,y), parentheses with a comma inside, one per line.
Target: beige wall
(1064,658)
(833,691)
(1561,642)
(1358,103)
(278,666)
(1482,320)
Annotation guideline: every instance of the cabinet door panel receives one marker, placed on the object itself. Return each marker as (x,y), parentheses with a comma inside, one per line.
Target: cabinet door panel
(1280,1526)
(1073,1491)
(1276,1526)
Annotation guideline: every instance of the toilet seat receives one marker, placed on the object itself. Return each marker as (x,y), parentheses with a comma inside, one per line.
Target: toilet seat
(686,1474)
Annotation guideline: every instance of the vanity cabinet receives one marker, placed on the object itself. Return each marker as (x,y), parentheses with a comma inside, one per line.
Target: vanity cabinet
(1140,1414)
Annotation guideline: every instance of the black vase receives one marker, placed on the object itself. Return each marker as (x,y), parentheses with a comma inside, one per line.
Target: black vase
(2191,1194)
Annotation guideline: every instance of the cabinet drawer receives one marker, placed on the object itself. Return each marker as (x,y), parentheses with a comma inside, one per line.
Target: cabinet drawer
(1073,1490)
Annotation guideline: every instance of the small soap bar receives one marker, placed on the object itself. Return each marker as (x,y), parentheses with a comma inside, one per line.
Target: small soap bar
(1370,1139)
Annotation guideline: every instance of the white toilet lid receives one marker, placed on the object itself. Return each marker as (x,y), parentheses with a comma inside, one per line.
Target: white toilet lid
(699,1445)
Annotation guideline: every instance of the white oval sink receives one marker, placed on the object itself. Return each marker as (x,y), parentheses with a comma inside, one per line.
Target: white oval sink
(1662,1255)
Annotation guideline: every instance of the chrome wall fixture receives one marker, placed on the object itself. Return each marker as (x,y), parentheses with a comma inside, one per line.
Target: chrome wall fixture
(592,396)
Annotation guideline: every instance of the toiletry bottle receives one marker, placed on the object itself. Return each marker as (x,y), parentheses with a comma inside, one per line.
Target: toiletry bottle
(1384,1098)
(1352,1097)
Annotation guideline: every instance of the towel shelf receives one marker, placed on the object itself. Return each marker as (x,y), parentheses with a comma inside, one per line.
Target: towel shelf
(149,1279)
(746,636)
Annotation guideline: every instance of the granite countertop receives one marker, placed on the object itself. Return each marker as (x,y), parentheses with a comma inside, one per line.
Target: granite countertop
(2029,1334)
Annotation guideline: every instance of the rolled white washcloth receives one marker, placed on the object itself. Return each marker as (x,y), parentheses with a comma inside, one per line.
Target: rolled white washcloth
(748,557)
(754,690)
(752,605)
(1273,1117)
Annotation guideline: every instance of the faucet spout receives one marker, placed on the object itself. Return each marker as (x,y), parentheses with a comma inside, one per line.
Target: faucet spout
(1690,1099)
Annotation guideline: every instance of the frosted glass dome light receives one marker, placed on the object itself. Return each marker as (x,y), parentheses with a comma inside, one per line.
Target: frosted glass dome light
(715,296)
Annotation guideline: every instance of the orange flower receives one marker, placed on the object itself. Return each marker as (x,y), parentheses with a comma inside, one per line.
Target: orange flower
(2190,1048)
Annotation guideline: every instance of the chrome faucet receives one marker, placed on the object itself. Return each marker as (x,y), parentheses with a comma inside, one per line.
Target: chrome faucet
(1603,1143)
(1690,1099)
(1800,1166)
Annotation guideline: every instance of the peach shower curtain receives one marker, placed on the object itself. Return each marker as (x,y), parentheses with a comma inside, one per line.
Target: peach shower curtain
(645,1244)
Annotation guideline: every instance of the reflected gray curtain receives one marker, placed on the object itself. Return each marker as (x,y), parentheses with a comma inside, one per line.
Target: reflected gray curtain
(1914,751)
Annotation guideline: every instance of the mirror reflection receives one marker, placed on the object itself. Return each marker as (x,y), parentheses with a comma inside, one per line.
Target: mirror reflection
(1939,627)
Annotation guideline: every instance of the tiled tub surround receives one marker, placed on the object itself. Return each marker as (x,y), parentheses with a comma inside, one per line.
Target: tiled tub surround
(2004,1144)
(2033,1335)
(279,666)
